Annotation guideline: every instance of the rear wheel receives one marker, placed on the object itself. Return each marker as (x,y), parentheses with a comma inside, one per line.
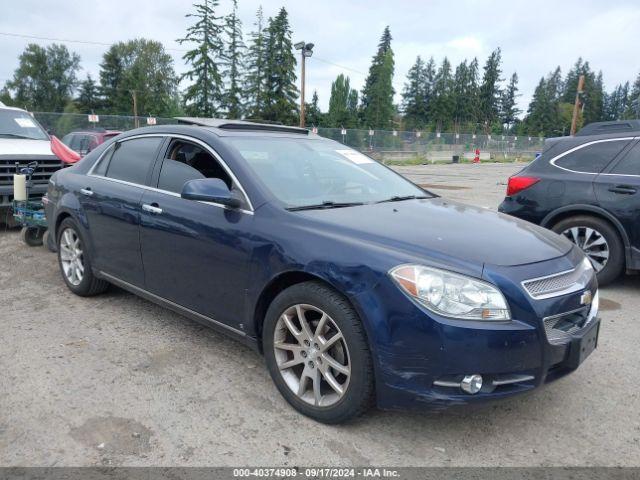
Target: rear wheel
(599,241)
(75,261)
(317,353)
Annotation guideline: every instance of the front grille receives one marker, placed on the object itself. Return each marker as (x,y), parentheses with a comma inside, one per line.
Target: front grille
(559,283)
(47,165)
(560,328)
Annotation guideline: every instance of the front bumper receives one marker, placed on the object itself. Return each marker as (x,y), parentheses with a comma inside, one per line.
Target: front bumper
(421,359)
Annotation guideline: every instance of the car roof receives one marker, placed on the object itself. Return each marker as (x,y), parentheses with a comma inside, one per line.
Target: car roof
(617,127)
(5,107)
(97,132)
(225,127)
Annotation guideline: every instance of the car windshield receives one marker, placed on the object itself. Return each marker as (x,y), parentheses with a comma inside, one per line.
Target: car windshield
(321,173)
(19,124)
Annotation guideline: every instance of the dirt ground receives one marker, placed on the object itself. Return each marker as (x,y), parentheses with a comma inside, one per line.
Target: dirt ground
(116,380)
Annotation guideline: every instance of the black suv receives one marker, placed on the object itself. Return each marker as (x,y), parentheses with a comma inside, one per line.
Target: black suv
(586,188)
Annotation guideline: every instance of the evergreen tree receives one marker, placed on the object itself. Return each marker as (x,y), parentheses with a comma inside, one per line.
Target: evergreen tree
(508,108)
(312,111)
(254,87)
(547,114)
(593,96)
(633,103)
(616,103)
(342,104)
(280,89)
(204,96)
(45,78)
(233,61)
(489,95)
(465,93)
(140,67)
(377,94)
(88,99)
(442,104)
(430,72)
(414,101)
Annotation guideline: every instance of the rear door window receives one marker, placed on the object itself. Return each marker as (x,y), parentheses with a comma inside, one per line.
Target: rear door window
(592,158)
(132,160)
(630,164)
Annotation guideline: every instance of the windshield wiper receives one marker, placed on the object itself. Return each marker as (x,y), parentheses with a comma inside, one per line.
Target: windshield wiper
(400,198)
(15,135)
(325,205)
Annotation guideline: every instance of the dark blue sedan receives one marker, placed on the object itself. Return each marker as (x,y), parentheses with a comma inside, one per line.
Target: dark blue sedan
(357,285)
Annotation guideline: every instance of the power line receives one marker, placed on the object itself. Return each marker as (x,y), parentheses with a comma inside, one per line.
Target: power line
(104,44)
(66,40)
(339,66)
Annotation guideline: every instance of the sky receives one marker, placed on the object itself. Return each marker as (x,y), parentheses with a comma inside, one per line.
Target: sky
(535,37)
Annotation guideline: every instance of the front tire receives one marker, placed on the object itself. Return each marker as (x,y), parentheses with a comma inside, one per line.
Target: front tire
(317,353)
(75,262)
(599,241)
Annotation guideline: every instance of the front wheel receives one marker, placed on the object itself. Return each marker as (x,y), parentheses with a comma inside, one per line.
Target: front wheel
(599,241)
(317,353)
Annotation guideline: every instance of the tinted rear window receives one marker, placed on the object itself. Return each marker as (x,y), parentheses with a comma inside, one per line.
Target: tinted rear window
(133,158)
(630,164)
(592,158)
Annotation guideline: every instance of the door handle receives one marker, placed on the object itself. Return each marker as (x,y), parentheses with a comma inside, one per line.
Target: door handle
(623,189)
(151,208)
(86,191)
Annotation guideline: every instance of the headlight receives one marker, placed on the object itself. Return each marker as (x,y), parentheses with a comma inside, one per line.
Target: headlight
(451,294)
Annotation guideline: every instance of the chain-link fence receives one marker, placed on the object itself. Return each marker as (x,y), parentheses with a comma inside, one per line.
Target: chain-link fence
(386,146)
(427,147)
(59,124)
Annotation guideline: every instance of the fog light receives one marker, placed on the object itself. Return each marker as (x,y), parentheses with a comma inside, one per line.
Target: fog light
(471,383)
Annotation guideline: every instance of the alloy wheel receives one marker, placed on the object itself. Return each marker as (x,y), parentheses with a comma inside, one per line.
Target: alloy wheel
(592,243)
(71,256)
(312,355)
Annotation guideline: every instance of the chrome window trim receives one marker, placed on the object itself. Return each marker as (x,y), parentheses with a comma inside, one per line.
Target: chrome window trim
(167,192)
(581,146)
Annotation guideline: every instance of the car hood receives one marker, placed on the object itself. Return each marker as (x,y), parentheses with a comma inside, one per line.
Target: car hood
(445,228)
(19,146)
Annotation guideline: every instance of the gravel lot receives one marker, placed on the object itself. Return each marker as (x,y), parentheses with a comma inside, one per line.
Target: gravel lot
(116,380)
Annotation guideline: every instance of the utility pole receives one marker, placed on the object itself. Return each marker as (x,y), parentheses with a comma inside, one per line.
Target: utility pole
(576,105)
(306,50)
(302,116)
(135,108)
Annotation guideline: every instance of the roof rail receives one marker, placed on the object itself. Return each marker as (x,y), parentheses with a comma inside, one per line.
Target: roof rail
(241,125)
(602,128)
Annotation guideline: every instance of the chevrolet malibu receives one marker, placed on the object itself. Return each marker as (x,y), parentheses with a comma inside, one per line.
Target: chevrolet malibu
(358,286)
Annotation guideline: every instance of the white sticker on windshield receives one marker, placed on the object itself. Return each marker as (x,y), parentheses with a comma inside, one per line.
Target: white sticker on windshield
(25,122)
(355,157)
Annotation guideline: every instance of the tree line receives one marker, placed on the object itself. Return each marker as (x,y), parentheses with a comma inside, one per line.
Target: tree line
(228,77)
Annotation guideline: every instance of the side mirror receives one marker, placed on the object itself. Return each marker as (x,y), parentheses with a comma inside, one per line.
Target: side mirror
(211,190)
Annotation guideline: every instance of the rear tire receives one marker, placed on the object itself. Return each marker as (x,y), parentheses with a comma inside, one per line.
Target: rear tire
(75,261)
(332,353)
(578,228)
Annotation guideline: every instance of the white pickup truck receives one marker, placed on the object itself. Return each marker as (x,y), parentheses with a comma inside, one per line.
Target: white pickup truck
(23,140)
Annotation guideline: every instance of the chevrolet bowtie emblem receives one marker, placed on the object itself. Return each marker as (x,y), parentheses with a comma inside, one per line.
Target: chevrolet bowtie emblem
(586,298)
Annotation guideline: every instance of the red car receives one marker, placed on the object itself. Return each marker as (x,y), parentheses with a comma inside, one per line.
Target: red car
(83,141)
